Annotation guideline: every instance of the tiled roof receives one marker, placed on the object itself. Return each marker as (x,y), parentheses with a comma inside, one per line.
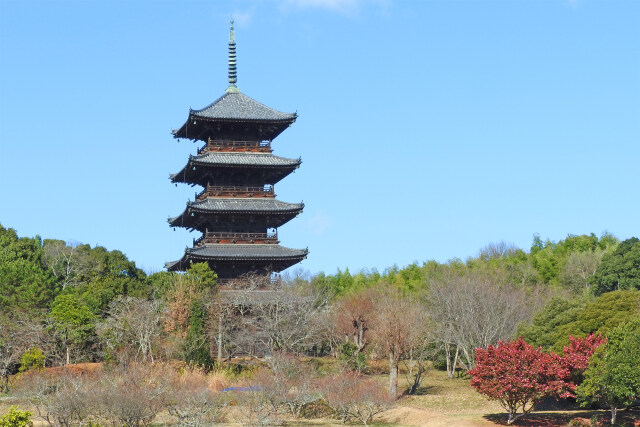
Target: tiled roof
(262,204)
(238,106)
(239,252)
(246,252)
(252,160)
(244,159)
(238,205)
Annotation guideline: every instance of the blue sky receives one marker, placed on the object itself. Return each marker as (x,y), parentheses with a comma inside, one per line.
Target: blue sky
(427,129)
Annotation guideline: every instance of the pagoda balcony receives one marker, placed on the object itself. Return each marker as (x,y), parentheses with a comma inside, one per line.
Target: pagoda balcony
(236,146)
(231,237)
(235,191)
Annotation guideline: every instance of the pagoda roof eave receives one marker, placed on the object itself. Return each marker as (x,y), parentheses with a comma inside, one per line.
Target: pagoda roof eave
(236,160)
(242,252)
(238,252)
(238,206)
(265,160)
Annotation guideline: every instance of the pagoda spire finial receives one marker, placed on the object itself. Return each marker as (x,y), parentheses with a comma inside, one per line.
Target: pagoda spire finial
(233,72)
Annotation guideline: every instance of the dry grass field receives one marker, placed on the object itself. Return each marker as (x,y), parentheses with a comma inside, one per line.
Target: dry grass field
(440,402)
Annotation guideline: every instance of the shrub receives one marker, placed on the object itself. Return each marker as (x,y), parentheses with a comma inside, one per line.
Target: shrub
(289,384)
(194,399)
(134,395)
(32,358)
(16,418)
(354,398)
(518,376)
(576,357)
(254,408)
(351,358)
(60,398)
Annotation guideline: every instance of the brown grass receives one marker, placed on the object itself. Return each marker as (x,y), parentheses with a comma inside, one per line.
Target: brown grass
(440,402)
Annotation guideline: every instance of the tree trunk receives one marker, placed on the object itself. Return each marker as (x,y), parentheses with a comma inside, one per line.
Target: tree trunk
(68,356)
(359,339)
(455,362)
(447,357)
(614,412)
(451,367)
(393,376)
(219,339)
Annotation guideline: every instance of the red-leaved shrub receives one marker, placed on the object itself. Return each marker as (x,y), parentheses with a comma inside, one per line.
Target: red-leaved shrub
(518,376)
(576,357)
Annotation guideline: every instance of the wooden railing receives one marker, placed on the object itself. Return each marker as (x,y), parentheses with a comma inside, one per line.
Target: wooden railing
(219,145)
(235,191)
(232,237)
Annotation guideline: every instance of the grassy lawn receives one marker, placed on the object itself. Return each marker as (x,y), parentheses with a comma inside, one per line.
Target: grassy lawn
(445,402)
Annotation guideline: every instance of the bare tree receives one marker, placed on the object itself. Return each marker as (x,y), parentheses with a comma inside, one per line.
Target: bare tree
(496,250)
(191,399)
(12,346)
(289,384)
(61,398)
(70,262)
(397,328)
(17,335)
(354,398)
(258,315)
(416,362)
(352,316)
(580,266)
(254,409)
(474,308)
(134,394)
(132,322)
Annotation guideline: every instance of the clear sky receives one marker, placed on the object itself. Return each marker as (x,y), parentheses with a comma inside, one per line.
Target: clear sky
(427,129)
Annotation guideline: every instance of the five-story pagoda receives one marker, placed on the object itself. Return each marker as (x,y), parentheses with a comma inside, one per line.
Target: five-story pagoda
(236,212)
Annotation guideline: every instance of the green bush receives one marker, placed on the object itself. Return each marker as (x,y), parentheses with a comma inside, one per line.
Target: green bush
(351,358)
(32,358)
(16,418)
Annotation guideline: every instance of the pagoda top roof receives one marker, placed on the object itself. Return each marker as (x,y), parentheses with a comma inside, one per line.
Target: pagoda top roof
(235,105)
(240,252)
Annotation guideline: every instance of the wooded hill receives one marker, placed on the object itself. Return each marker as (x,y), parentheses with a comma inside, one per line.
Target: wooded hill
(551,289)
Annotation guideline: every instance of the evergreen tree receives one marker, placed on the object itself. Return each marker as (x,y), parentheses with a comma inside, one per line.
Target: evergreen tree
(197,344)
(620,269)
